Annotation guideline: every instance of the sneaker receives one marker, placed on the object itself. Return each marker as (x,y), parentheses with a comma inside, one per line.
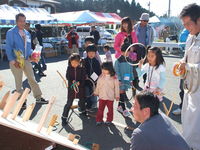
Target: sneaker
(99,123)
(42,101)
(126,113)
(108,123)
(177,111)
(24,106)
(41,74)
(64,121)
(120,109)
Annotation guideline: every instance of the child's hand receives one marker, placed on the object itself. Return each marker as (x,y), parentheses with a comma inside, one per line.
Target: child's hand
(141,63)
(95,94)
(117,98)
(78,83)
(157,91)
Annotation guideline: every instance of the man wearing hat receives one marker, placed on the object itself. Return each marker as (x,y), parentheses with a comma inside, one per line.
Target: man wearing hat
(144,31)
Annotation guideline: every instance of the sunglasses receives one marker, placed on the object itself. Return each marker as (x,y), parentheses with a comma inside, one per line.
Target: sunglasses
(145,20)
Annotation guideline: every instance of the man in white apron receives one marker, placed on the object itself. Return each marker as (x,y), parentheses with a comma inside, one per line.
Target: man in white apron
(190,17)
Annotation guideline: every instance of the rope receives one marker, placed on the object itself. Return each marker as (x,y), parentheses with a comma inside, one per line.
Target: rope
(74,86)
(93,87)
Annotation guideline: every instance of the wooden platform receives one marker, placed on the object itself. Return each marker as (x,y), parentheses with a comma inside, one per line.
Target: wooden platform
(19,135)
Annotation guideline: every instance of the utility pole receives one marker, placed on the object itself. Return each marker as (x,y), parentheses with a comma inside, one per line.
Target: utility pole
(149,4)
(169,9)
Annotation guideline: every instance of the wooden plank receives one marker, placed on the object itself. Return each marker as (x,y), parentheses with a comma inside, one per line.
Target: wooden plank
(46,112)
(20,103)
(10,103)
(4,100)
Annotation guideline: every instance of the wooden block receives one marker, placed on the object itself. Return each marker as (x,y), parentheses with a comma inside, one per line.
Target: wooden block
(20,103)
(46,112)
(71,137)
(4,100)
(53,120)
(28,112)
(10,103)
(52,123)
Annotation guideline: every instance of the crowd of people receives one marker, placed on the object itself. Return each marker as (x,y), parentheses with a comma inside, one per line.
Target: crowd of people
(93,80)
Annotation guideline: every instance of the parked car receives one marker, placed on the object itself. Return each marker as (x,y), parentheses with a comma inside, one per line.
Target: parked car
(112,31)
(84,31)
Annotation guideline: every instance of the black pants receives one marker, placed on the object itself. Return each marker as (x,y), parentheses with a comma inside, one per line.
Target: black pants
(122,101)
(181,93)
(67,107)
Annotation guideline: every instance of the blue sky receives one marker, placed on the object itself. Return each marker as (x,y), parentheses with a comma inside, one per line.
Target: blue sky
(160,7)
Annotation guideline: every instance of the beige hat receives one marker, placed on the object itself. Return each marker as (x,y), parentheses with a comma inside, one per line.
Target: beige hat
(144,16)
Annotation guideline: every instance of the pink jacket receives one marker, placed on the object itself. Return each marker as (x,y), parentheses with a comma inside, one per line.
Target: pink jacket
(107,87)
(119,40)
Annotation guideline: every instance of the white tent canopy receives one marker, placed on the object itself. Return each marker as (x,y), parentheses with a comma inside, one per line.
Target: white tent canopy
(33,15)
(154,19)
(86,16)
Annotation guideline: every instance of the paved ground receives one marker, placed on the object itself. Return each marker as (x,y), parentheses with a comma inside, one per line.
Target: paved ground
(108,137)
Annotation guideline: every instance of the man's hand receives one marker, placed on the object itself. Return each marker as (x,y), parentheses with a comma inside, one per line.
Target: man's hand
(182,66)
(15,63)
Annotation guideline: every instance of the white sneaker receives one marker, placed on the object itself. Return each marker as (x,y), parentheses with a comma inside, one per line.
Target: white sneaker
(177,111)
(119,108)
(126,113)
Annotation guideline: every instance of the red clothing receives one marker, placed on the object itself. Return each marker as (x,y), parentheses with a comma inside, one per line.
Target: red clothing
(69,38)
(102,105)
(119,40)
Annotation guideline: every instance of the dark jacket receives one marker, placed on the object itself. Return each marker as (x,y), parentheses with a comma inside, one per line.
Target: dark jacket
(92,65)
(39,36)
(96,35)
(77,74)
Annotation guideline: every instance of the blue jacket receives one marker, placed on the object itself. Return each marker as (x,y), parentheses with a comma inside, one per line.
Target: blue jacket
(149,34)
(124,73)
(15,42)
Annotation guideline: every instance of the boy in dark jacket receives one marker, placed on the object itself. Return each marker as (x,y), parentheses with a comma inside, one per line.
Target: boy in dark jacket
(93,71)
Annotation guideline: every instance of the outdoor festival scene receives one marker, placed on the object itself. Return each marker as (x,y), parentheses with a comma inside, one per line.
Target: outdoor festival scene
(99,75)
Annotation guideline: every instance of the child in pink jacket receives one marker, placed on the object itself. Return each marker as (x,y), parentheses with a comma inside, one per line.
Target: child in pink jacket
(108,90)
(127,35)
